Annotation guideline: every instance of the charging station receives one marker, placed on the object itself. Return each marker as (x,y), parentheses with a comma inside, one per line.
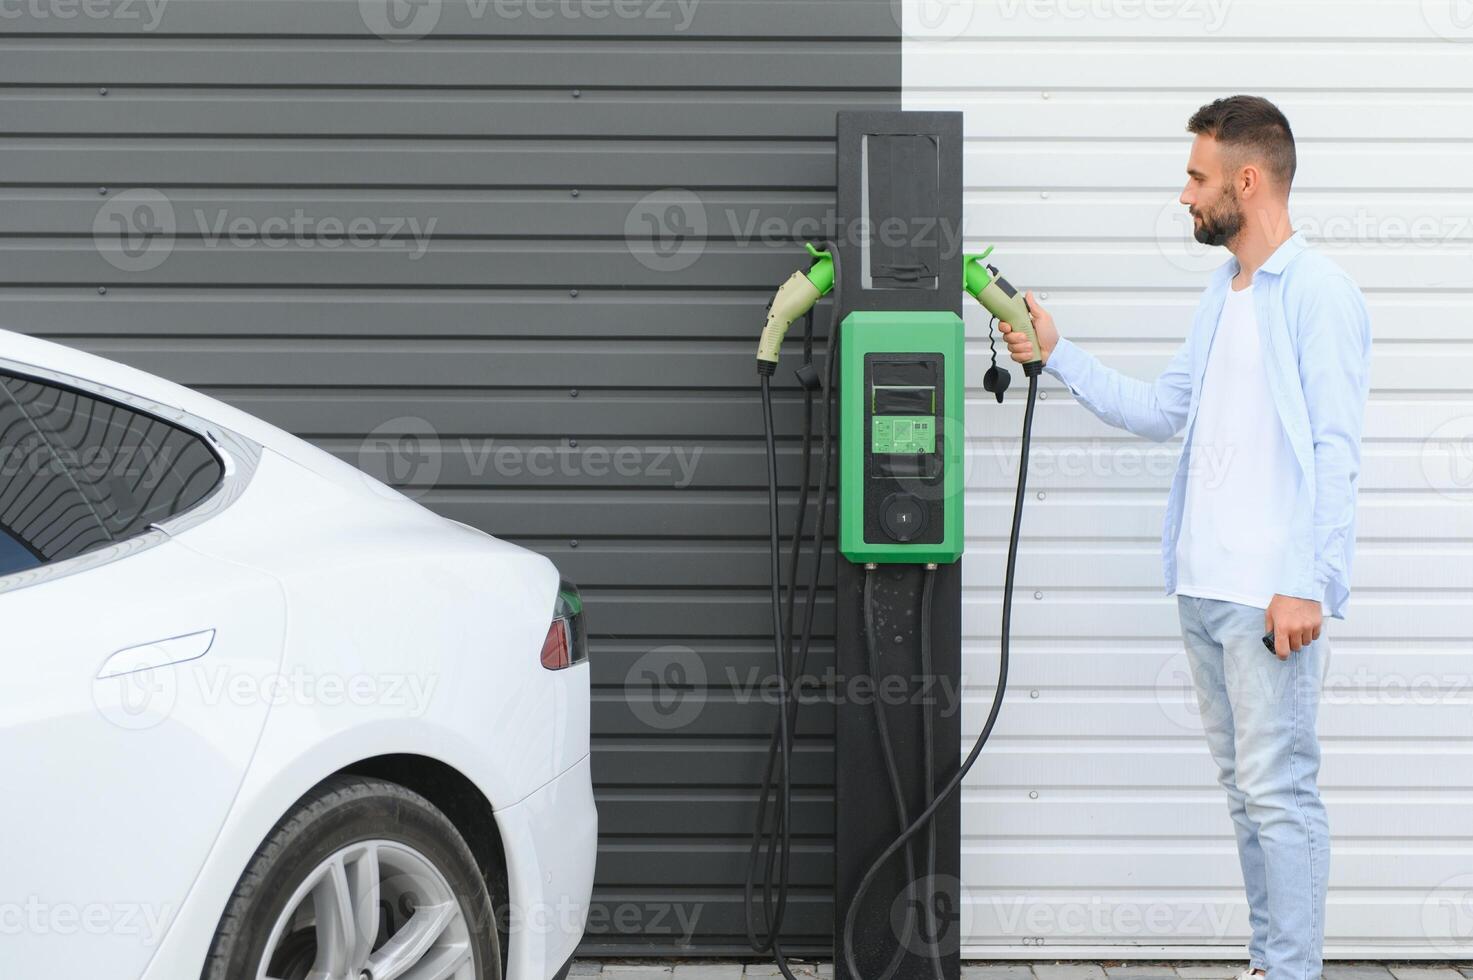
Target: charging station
(901,443)
(896,361)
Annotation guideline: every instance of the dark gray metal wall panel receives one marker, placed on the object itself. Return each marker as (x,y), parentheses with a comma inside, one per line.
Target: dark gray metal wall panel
(514,64)
(471,215)
(527,324)
(680,768)
(436,363)
(618,414)
(398,113)
(326,313)
(475,161)
(641,19)
(558,264)
(577,514)
(715,811)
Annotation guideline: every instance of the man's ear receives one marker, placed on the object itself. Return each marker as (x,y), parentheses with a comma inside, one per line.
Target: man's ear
(1249,180)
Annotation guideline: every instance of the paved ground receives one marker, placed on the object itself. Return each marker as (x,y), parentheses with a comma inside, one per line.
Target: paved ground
(722,970)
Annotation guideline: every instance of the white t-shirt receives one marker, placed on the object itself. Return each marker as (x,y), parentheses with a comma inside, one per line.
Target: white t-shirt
(1241,473)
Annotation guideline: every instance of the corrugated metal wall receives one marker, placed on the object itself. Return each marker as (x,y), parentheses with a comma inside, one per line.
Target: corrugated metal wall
(1094,820)
(182,182)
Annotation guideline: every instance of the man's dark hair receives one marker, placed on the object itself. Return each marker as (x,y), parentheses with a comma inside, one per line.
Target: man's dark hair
(1252,124)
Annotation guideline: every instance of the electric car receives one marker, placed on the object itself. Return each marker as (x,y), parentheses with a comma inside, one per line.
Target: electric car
(264,717)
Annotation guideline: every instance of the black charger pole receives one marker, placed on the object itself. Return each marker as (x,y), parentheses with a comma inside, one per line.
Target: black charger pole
(899,216)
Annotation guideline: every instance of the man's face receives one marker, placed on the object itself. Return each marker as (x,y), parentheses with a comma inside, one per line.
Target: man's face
(1217,213)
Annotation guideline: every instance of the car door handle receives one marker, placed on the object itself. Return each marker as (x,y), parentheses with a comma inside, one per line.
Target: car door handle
(160,653)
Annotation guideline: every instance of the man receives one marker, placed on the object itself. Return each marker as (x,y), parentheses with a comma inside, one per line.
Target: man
(1271,386)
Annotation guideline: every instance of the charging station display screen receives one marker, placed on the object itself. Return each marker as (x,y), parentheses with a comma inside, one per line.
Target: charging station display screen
(903,419)
(902,416)
(904,434)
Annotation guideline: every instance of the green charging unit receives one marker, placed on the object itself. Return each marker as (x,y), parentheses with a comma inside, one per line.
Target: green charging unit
(902,399)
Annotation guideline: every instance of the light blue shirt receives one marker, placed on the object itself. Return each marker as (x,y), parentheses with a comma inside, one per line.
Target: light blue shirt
(1315,333)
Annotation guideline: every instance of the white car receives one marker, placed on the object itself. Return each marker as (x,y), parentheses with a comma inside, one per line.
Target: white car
(262,716)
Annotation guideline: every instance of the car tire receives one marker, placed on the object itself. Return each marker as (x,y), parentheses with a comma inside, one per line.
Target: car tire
(388,861)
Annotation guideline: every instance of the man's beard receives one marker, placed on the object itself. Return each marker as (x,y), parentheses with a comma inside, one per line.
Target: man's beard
(1220,225)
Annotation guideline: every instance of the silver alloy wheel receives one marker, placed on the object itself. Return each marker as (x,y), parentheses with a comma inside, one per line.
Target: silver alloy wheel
(374,910)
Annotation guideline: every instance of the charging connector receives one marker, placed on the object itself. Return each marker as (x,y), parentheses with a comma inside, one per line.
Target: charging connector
(794,298)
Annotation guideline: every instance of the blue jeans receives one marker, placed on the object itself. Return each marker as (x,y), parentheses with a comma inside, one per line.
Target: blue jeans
(1259,716)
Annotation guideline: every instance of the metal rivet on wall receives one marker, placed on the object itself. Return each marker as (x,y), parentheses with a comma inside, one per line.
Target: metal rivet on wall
(1033,794)
(572,392)
(101,90)
(1038,595)
(577,93)
(573,442)
(575,192)
(102,191)
(573,543)
(1042,495)
(102,290)
(572,292)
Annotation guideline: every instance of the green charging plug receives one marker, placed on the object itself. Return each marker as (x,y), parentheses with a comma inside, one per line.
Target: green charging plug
(999,298)
(793,299)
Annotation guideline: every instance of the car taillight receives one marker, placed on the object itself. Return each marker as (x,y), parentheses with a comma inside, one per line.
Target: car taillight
(566,642)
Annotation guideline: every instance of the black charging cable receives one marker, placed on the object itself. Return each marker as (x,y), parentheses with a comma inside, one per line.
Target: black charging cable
(773,909)
(952,785)
(778,839)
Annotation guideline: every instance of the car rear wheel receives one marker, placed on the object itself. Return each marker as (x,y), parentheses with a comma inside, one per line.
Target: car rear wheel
(363,880)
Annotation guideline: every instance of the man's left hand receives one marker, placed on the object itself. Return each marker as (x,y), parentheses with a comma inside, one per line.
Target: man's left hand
(1294,622)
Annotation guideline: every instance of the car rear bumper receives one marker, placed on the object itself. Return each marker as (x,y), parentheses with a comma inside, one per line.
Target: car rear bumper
(551,844)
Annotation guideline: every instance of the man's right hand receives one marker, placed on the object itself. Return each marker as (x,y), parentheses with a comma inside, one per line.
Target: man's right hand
(1043,325)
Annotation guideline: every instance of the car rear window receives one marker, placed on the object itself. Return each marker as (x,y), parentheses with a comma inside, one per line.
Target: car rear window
(79,472)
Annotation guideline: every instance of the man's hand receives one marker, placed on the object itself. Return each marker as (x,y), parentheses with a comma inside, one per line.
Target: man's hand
(1294,622)
(1043,325)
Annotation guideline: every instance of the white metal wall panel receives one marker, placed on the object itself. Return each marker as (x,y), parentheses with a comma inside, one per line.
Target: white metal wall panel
(1093,824)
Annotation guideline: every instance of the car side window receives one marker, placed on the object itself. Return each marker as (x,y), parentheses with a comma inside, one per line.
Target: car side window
(79,473)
